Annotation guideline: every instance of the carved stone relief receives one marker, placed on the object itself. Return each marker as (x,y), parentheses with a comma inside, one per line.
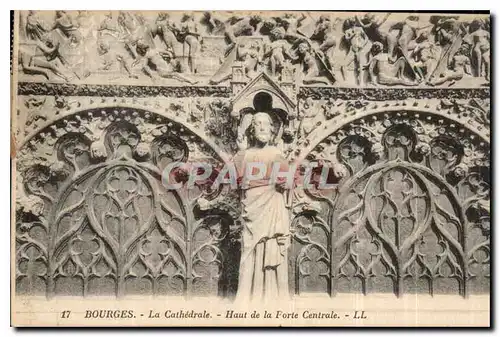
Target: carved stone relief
(339,49)
(396,106)
(93,216)
(400,220)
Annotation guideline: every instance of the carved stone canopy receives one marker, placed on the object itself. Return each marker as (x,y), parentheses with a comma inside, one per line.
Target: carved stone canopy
(262,83)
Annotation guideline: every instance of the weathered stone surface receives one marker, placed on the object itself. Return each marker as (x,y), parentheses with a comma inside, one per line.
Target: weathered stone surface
(398,104)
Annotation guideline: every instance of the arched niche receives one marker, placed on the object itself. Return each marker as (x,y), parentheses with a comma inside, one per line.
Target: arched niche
(366,116)
(263,84)
(94,217)
(411,212)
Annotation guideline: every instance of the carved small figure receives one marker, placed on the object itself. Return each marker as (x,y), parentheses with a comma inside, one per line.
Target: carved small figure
(382,71)
(34,63)
(446,30)
(326,35)
(61,102)
(197,112)
(377,151)
(142,150)
(240,26)
(371,25)
(358,50)
(35,27)
(132,31)
(479,38)
(112,59)
(291,23)
(166,29)
(58,170)
(32,204)
(424,56)
(34,103)
(246,53)
(189,35)
(277,51)
(98,151)
(423,149)
(330,109)
(460,65)
(215,22)
(400,35)
(85,24)
(162,63)
(339,170)
(309,64)
(307,115)
(35,112)
(64,24)
(108,26)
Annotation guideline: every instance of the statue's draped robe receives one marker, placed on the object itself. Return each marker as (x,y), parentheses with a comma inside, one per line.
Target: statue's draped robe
(263,267)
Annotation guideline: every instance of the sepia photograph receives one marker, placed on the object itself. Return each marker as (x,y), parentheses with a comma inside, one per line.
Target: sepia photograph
(250,168)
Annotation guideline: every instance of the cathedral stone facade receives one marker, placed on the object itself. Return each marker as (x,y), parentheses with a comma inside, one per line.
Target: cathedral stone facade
(397,105)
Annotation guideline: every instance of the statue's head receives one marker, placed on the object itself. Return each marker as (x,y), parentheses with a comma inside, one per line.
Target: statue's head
(142,47)
(476,25)
(369,17)
(162,16)
(377,48)
(324,18)
(142,149)
(98,150)
(423,36)
(255,19)
(48,39)
(303,48)
(262,127)
(187,17)
(255,45)
(102,47)
(464,49)
(278,33)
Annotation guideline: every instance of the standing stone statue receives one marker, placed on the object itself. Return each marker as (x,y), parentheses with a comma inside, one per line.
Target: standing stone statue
(263,267)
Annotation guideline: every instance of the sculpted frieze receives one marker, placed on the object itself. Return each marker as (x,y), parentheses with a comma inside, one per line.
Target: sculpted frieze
(106,90)
(317,118)
(217,48)
(206,116)
(392,93)
(215,118)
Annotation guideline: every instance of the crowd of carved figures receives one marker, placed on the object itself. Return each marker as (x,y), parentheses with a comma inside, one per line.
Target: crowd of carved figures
(373,49)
